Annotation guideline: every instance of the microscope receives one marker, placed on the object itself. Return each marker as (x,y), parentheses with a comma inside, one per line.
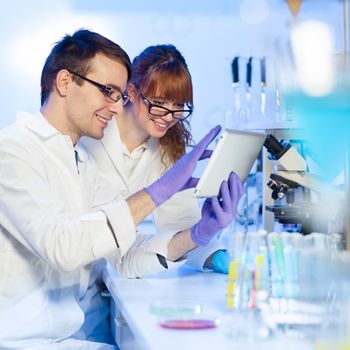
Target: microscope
(294,190)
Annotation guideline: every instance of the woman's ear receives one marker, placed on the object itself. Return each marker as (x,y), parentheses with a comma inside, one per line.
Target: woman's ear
(63,80)
(132,92)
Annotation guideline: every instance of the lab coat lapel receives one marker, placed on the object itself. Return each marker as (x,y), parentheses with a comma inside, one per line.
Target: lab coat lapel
(112,145)
(58,149)
(138,175)
(64,159)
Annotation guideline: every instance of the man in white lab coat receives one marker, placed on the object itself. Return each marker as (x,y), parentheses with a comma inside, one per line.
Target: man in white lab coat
(58,217)
(139,146)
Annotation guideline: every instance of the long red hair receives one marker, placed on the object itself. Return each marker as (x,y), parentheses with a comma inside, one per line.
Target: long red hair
(161,70)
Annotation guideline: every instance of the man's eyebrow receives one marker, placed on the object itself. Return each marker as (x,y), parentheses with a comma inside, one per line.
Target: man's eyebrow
(113,86)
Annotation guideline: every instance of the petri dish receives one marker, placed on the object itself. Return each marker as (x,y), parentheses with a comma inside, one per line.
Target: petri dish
(175,309)
(188,324)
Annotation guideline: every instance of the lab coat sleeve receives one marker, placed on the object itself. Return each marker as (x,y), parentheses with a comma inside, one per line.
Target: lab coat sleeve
(37,217)
(141,259)
(118,213)
(197,257)
(179,213)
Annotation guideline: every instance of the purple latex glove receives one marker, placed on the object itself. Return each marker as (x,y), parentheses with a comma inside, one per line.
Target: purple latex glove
(179,176)
(218,212)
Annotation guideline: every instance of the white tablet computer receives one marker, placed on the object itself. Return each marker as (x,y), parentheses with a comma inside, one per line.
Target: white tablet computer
(235,151)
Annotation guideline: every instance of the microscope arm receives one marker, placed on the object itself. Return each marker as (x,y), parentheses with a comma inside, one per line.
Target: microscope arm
(304,179)
(287,156)
(292,166)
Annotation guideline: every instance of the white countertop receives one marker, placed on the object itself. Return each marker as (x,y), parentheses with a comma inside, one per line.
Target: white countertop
(134,297)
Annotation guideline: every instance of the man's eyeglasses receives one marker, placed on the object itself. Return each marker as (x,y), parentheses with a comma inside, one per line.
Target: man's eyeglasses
(113,94)
(160,111)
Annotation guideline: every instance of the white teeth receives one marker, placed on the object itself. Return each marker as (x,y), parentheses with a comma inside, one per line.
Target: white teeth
(161,126)
(104,120)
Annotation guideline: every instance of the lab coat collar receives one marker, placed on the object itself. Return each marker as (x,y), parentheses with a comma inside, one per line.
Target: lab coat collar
(37,123)
(112,144)
(82,153)
(41,127)
(142,147)
(111,139)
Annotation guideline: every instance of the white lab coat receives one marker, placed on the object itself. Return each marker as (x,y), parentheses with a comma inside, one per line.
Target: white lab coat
(52,231)
(178,213)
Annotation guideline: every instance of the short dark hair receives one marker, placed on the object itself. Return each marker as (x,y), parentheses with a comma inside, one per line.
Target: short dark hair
(74,53)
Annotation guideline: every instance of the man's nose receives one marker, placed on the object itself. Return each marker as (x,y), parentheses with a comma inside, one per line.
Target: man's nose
(116,107)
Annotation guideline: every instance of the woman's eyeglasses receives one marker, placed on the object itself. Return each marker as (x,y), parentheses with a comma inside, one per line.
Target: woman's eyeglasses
(160,111)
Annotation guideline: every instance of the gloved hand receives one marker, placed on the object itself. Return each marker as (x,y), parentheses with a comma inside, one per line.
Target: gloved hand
(218,212)
(178,177)
(221,261)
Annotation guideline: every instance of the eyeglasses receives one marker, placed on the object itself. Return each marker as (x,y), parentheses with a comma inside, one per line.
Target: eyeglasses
(114,94)
(160,111)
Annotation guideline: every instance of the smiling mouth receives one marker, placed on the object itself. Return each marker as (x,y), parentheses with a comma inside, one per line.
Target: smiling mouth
(163,126)
(102,119)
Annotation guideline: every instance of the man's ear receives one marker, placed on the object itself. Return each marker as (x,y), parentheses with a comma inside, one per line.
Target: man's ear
(132,92)
(63,80)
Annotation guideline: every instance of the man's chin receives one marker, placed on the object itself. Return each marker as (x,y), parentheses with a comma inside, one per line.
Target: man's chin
(96,136)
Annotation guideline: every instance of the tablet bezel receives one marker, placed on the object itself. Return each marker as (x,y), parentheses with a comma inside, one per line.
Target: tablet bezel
(224,159)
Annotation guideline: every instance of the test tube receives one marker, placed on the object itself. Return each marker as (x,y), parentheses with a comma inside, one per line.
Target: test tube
(262,271)
(320,241)
(236,242)
(291,259)
(242,289)
(292,274)
(232,283)
(277,264)
(336,243)
(256,281)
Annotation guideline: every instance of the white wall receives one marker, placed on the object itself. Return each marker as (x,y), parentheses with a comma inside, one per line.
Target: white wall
(208,33)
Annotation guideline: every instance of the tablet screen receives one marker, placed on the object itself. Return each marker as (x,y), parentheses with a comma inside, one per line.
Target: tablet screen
(235,151)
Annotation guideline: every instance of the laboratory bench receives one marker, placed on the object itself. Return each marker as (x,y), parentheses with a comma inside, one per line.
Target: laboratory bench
(134,326)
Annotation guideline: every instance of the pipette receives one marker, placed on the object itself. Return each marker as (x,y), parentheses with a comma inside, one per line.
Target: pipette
(235,82)
(263,84)
(248,86)
(249,77)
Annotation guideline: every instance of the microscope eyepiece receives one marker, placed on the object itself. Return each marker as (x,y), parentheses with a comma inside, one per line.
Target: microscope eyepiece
(275,147)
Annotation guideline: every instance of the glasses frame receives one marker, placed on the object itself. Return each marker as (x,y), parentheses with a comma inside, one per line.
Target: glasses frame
(106,90)
(150,105)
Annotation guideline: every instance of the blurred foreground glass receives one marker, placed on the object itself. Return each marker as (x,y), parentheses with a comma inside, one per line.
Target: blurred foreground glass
(284,283)
(303,283)
(336,334)
(248,281)
(315,82)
